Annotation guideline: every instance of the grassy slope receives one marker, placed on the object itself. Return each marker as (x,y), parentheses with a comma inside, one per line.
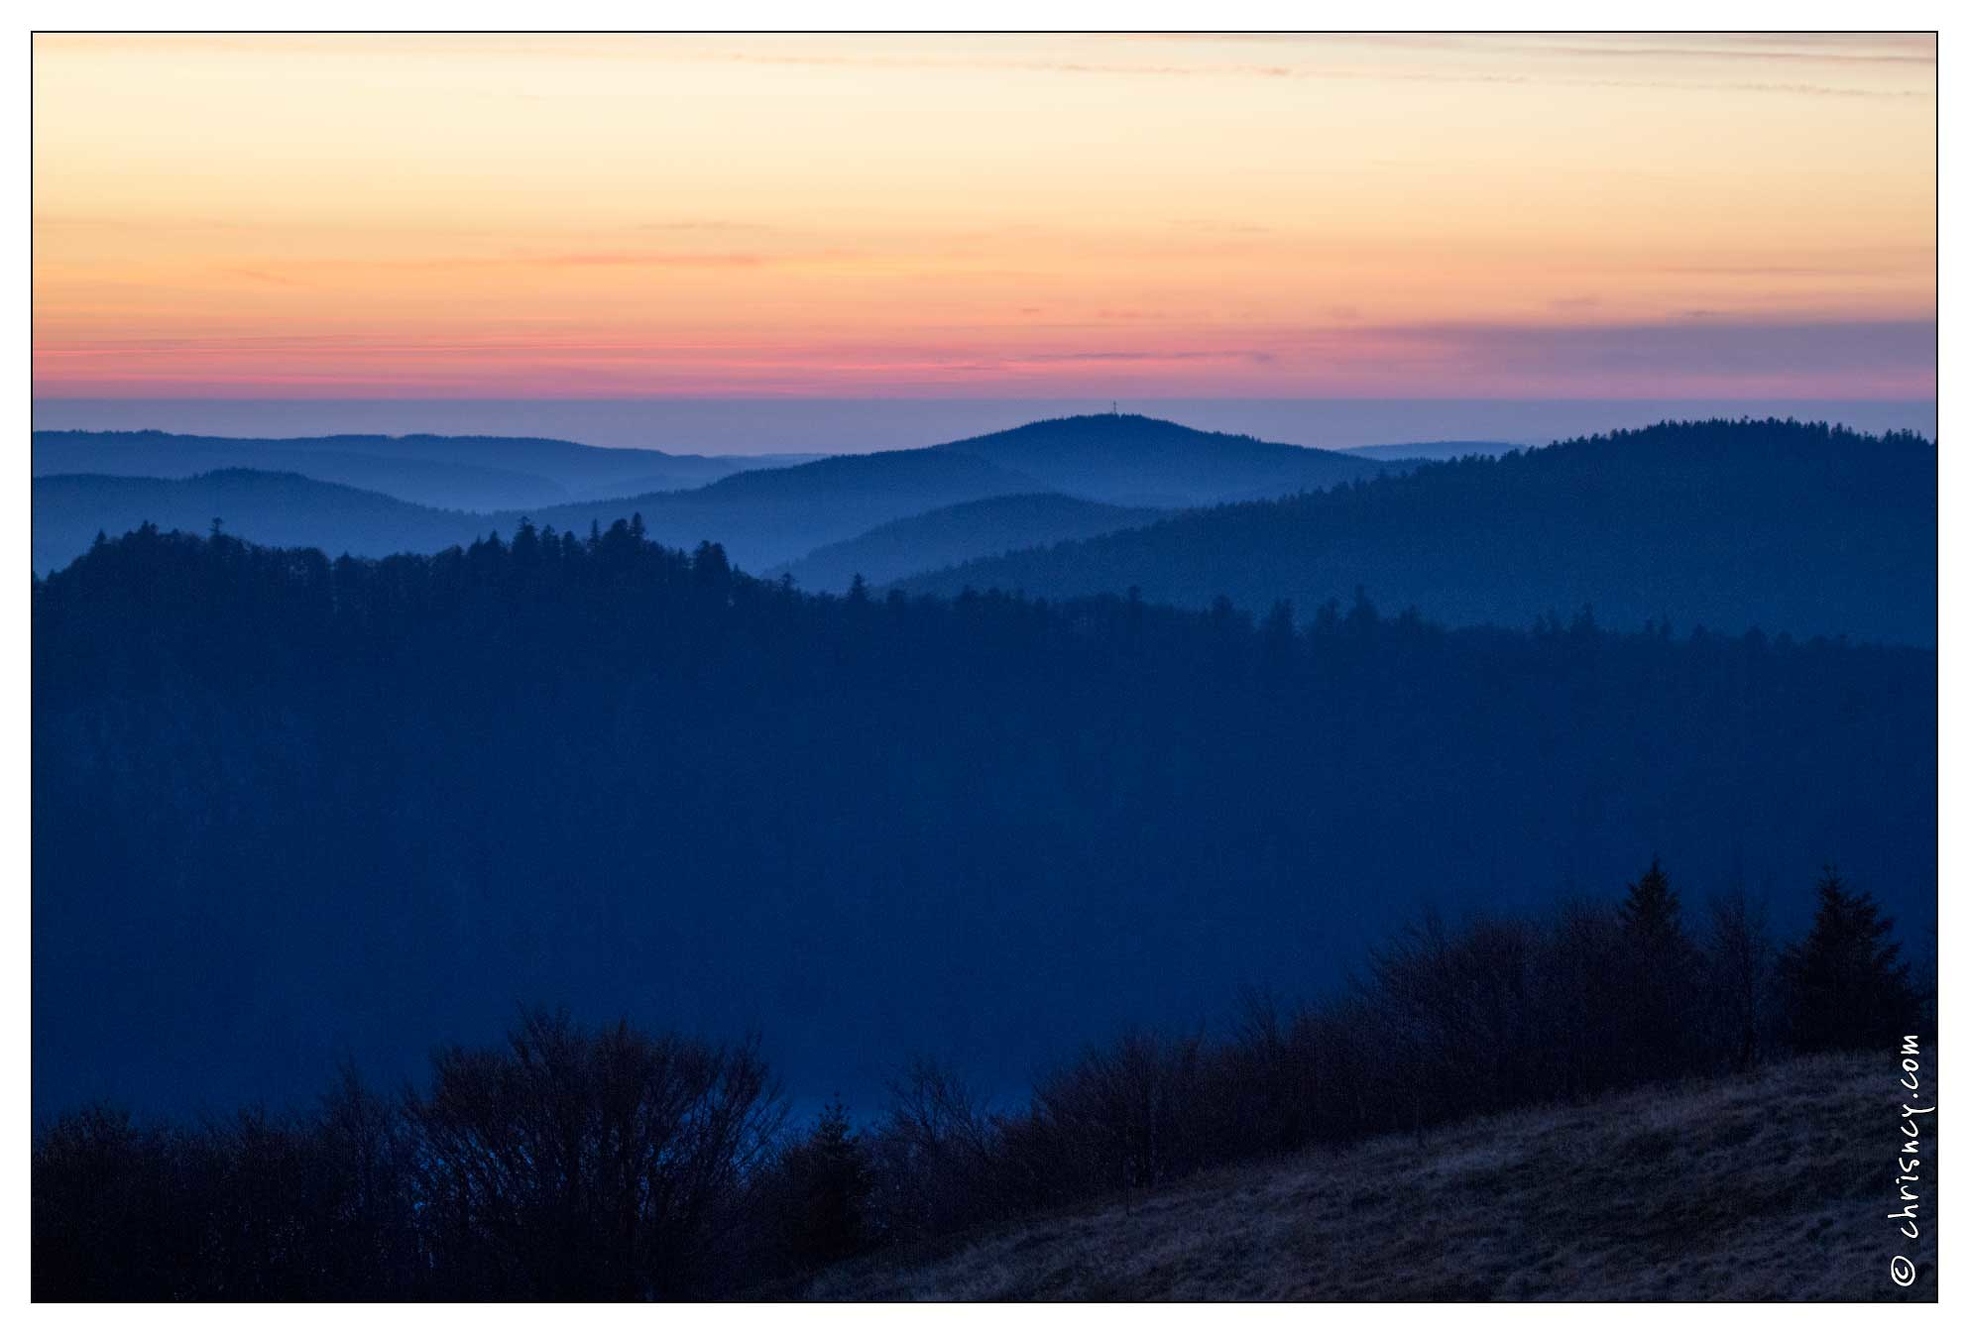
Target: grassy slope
(1775,1185)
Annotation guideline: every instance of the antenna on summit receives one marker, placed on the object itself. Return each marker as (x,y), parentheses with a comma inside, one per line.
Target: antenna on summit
(1114,407)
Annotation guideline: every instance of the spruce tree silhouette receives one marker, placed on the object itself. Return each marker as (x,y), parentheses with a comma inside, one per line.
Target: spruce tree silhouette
(827,1179)
(1660,962)
(1651,914)
(1845,985)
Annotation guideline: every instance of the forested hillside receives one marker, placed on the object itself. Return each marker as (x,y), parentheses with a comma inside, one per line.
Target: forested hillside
(1775,525)
(288,807)
(957,533)
(773,515)
(279,509)
(763,514)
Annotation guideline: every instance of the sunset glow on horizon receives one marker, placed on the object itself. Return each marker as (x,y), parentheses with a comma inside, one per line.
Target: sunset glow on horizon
(323,216)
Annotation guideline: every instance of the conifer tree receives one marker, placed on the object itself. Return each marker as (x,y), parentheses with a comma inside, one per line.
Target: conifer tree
(1845,985)
(829,1179)
(1651,914)
(1658,989)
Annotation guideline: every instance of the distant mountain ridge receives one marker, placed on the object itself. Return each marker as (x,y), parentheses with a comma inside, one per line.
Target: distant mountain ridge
(957,533)
(1433,450)
(763,516)
(1733,525)
(759,523)
(482,473)
(769,518)
(1124,459)
(272,509)
(1775,525)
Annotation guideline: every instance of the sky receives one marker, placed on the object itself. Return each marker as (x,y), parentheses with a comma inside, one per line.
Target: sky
(980,218)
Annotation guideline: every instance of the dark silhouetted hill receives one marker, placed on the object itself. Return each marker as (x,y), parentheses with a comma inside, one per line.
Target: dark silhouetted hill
(771,516)
(763,517)
(443,483)
(768,519)
(764,511)
(1732,525)
(1143,461)
(277,509)
(957,533)
(1432,450)
(288,807)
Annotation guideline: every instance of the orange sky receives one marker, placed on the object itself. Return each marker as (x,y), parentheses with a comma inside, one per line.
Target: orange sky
(322,216)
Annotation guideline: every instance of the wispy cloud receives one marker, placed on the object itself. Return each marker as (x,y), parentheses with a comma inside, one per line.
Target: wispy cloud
(1068,358)
(572,259)
(1528,70)
(704,225)
(1705,345)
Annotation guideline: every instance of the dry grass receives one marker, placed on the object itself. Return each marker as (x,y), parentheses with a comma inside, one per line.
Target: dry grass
(1773,1185)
